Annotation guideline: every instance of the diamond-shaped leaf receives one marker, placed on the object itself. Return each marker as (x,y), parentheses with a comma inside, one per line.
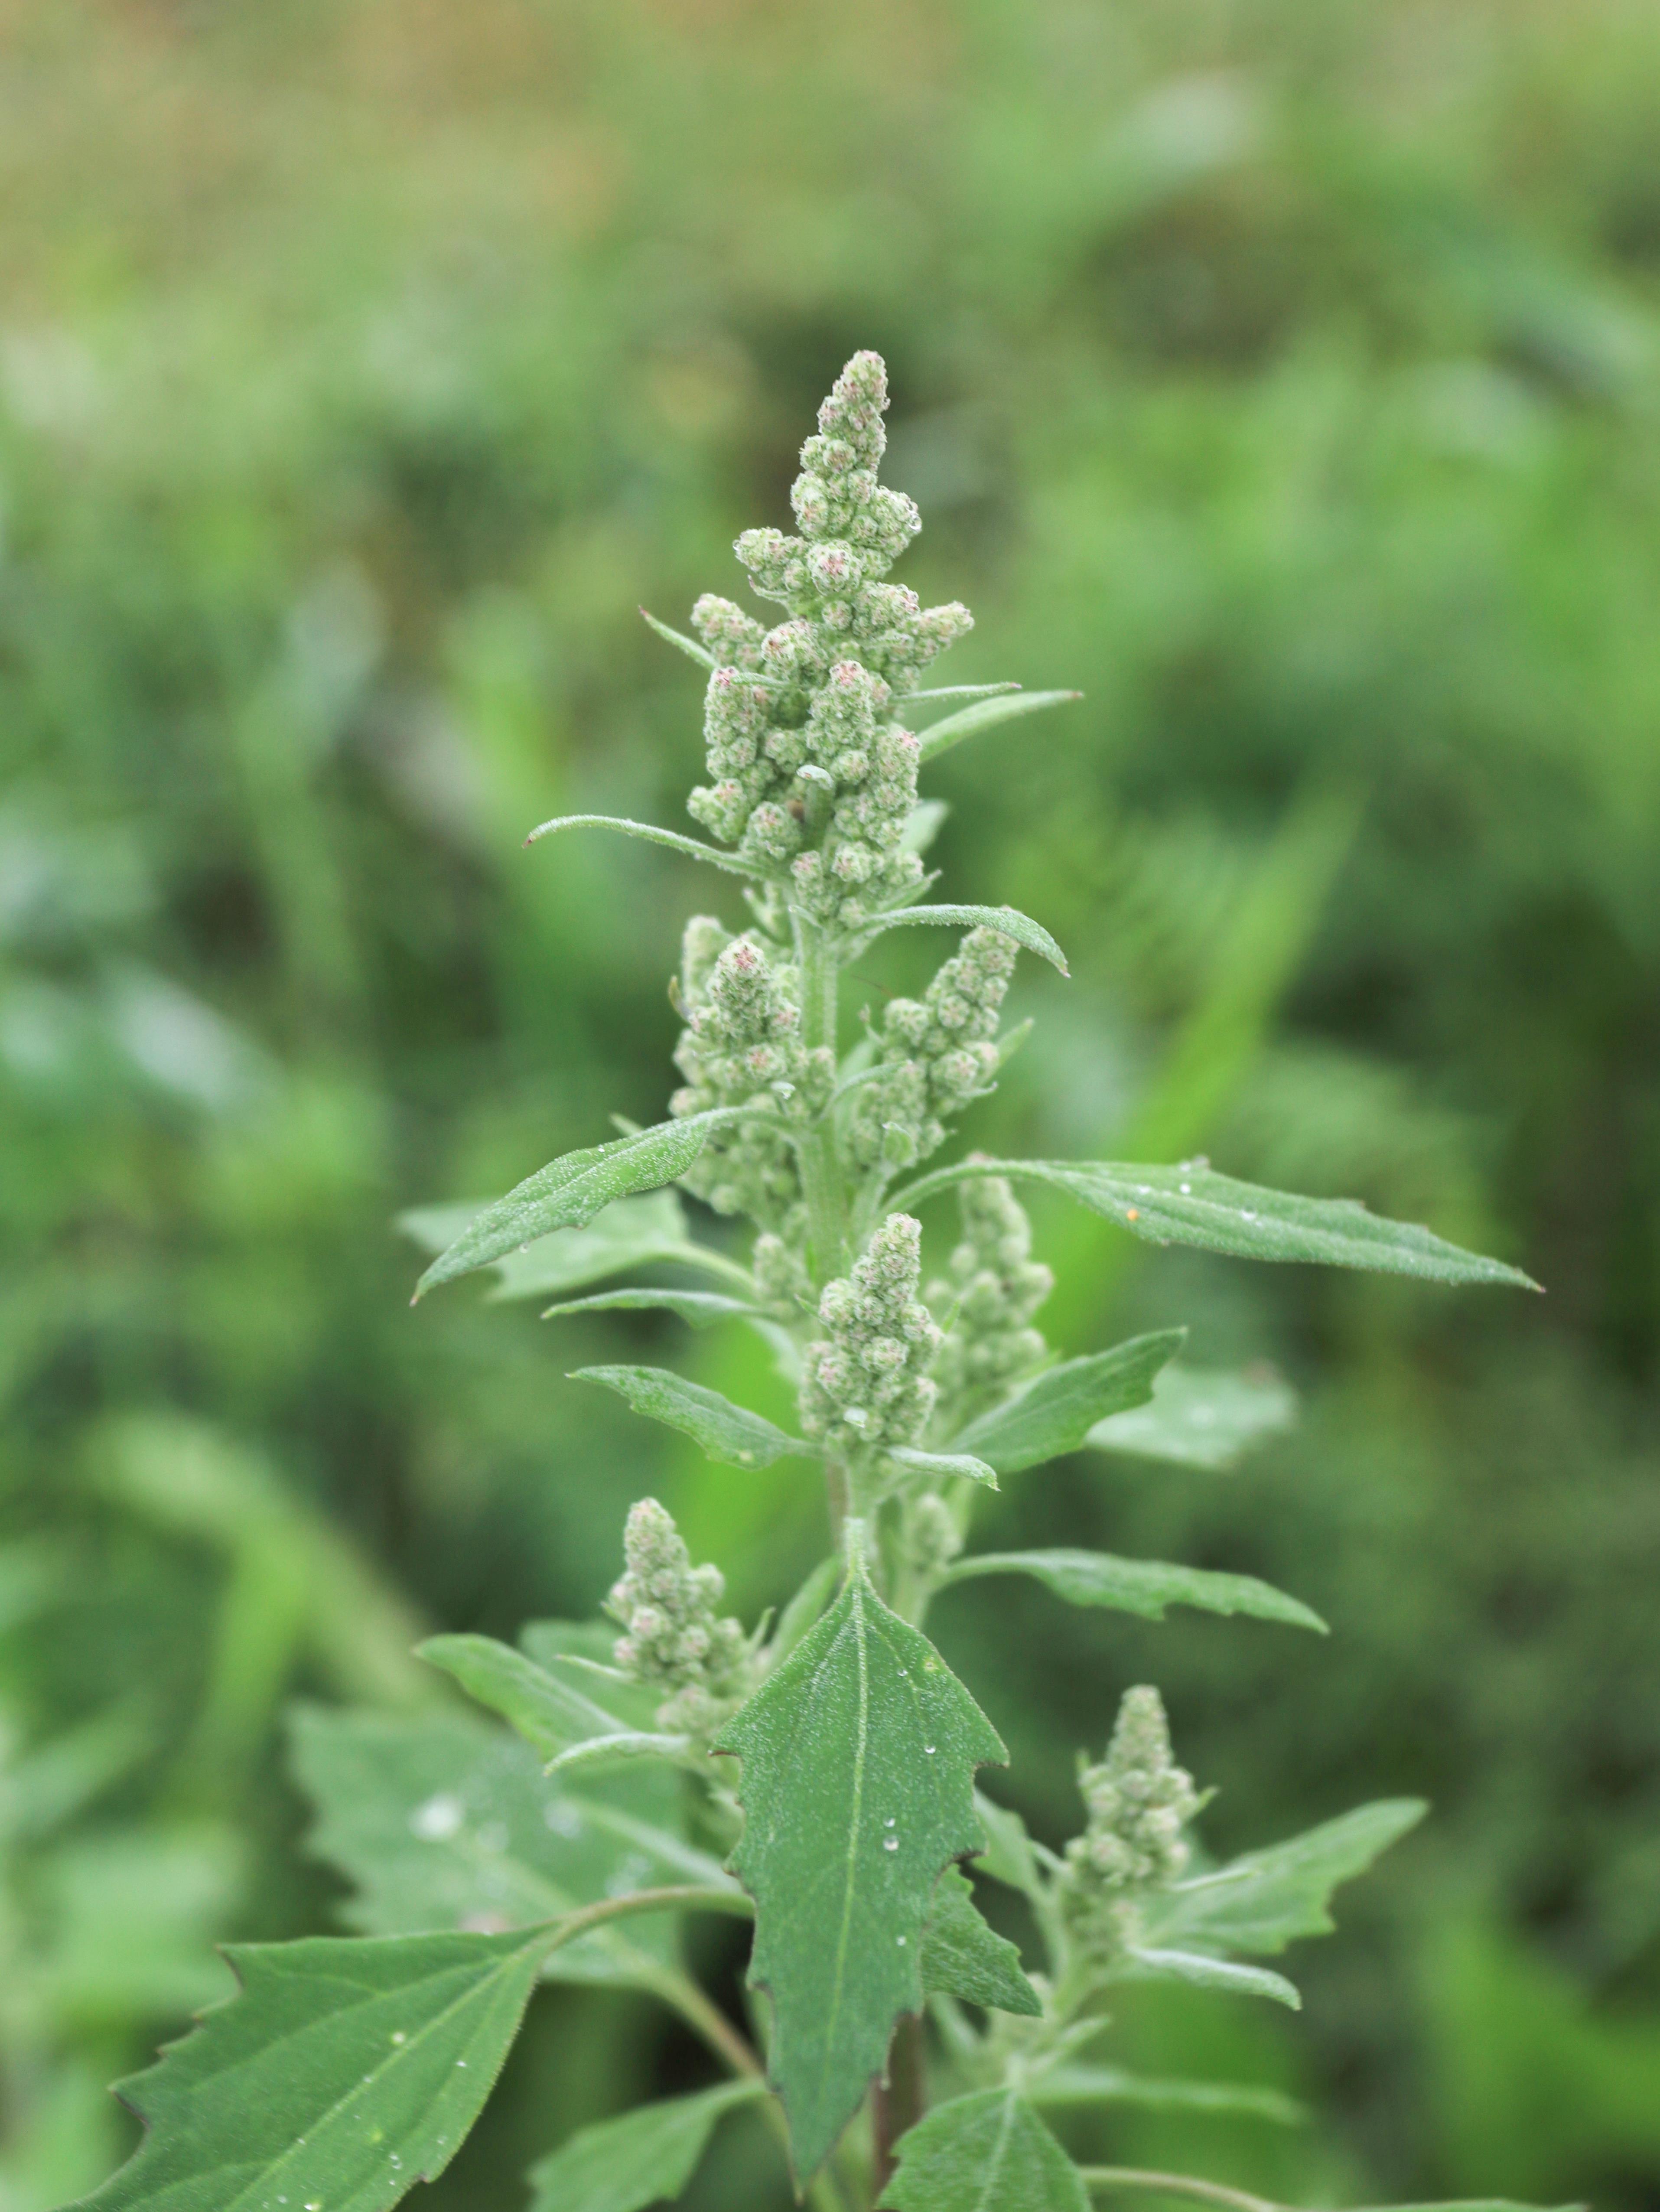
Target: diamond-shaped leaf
(985,2153)
(858,1756)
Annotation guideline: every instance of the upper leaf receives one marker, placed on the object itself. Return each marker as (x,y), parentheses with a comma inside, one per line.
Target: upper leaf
(640,2158)
(1143,1586)
(985,2153)
(1224,1975)
(447,1822)
(724,1430)
(1090,2085)
(694,848)
(962,1467)
(1020,927)
(1191,1204)
(1201,1417)
(858,1756)
(964,1957)
(699,1309)
(1055,1413)
(346,2071)
(569,1192)
(985,715)
(1266,1900)
(632,1232)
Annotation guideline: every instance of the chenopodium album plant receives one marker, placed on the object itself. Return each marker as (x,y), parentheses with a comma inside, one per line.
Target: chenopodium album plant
(817,1772)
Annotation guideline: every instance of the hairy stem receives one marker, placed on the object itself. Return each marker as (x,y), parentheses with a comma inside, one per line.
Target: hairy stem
(1176,2185)
(821,1171)
(898,2103)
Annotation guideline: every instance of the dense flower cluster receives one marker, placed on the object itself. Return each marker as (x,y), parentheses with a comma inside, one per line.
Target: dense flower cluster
(671,1633)
(742,1041)
(943,1054)
(808,771)
(992,1289)
(1139,1801)
(865,1383)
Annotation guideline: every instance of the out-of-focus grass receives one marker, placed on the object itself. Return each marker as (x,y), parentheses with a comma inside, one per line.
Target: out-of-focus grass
(1284,378)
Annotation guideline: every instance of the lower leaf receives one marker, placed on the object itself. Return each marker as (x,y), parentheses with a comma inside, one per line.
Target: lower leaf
(985,2153)
(347,2070)
(637,2158)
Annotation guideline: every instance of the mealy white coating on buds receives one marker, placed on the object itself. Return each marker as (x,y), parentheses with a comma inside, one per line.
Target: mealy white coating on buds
(672,1634)
(992,1288)
(943,1053)
(742,1043)
(815,692)
(865,1383)
(1139,1801)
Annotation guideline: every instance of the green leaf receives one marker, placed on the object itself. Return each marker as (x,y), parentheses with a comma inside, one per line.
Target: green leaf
(641,2158)
(965,1959)
(687,644)
(345,2072)
(1201,1417)
(651,835)
(940,1464)
(548,1711)
(1005,918)
(629,1743)
(1093,2085)
(701,1309)
(962,691)
(446,1822)
(1208,1973)
(1267,1898)
(1055,1413)
(569,1192)
(632,1232)
(1191,1204)
(858,1756)
(985,2153)
(1143,1586)
(969,721)
(1008,1856)
(724,1431)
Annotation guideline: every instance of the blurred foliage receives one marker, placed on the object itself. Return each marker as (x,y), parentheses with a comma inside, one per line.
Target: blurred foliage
(1285,377)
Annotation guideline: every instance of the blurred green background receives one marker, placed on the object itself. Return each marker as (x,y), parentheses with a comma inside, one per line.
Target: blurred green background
(1284,375)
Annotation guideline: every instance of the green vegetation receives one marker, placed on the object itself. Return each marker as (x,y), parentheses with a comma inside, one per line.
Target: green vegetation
(1287,387)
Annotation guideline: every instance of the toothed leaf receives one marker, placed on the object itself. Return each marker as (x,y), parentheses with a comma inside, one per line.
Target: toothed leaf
(965,1959)
(985,2153)
(641,2158)
(1267,1898)
(857,1785)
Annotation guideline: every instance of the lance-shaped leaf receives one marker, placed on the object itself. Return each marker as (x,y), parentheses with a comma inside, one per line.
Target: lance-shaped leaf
(649,834)
(724,1431)
(642,2157)
(1020,927)
(1055,1413)
(1201,1417)
(985,715)
(1143,1586)
(1267,1898)
(1115,2085)
(965,1959)
(630,1743)
(858,1756)
(346,2071)
(1205,1972)
(689,646)
(569,1192)
(985,2153)
(1191,1204)
(548,1709)
(630,1232)
(963,1466)
(447,1822)
(699,1309)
